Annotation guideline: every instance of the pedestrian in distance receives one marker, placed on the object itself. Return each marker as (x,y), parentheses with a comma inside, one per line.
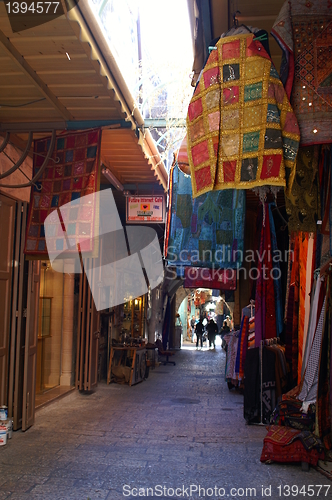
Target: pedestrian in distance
(212,331)
(192,324)
(199,329)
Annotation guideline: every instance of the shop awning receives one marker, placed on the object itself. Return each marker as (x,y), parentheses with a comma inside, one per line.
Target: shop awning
(62,76)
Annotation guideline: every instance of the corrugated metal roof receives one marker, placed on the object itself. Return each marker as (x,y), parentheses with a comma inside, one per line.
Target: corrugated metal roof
(60,73)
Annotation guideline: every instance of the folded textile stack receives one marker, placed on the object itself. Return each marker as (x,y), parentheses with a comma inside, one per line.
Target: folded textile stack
(285,444)
(288,413)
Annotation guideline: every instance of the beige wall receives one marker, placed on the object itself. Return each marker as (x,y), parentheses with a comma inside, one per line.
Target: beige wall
(52,286)
(17,177)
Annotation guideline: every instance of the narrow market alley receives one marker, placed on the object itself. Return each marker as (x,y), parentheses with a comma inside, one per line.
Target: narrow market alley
(181,428)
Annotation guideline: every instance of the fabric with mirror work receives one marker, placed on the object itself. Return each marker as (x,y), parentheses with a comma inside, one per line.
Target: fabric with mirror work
(302,206)
(303,30)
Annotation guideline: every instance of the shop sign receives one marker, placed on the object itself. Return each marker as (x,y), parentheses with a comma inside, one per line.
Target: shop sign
(202,277)
(145,209)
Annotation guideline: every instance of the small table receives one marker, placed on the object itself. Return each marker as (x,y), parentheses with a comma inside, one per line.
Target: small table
(138,364)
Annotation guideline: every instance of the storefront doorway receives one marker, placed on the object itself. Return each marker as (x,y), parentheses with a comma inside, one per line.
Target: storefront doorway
(50,350)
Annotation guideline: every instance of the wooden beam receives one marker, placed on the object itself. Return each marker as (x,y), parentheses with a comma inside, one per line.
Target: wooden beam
(32,75)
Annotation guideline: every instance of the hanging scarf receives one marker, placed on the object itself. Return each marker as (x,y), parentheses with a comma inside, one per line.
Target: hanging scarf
(323,419)
(303,256)
(302,206)
(265,299)
(276,275)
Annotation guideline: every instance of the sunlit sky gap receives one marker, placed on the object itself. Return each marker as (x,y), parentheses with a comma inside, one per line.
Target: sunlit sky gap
(165,37)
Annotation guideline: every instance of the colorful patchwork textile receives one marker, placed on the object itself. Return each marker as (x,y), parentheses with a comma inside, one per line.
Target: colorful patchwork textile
(71,174)
(204,232)
(182,158)
(304,30)
(241,129)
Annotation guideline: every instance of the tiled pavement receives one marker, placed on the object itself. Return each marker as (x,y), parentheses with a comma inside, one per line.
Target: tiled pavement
(181,427)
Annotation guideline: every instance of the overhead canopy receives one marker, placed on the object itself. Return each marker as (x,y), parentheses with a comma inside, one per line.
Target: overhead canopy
(61,76)
(122,154)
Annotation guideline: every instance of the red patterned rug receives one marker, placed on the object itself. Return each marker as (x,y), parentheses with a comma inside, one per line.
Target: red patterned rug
(71,173)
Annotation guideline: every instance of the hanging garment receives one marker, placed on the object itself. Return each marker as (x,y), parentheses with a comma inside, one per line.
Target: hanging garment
(204,232)
(281,372)
(276,275)
(292,318)
(269,384)
(251,402)
(314,314)
(307,406)
(305,274)
(310,381)
(265,310)
(302,206)
(323,417)
(232,347)
(242,348)
(326,228)
(255,406)
(303,30)
(309,279)
(241,129)
(251,333)
(327,198)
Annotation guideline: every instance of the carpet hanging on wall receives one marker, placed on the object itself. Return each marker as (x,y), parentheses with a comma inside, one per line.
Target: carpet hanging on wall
(71,173)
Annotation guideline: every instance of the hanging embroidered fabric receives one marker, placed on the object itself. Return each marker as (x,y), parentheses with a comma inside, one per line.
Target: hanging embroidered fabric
(303,29)
(241,130)
(204,232)
(302,205)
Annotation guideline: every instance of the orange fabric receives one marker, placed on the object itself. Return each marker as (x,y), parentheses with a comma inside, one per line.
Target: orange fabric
(303,254)
(295,280)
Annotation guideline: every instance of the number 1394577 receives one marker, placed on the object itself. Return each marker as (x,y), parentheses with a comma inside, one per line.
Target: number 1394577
(311,490)
(32,7)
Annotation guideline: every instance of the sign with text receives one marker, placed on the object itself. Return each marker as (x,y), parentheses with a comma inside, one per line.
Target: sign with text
(145,209)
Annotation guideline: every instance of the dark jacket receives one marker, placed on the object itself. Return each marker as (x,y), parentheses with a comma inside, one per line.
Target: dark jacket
(199,328)
(212,328)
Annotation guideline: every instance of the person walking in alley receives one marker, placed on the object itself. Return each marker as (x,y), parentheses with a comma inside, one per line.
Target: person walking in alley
(199,329)
(192,324)
(212,331)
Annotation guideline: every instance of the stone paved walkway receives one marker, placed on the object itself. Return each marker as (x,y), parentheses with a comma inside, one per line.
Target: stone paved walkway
(180,427)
